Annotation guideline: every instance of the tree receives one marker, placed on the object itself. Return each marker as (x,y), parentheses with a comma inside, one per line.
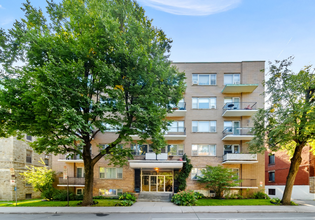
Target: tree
(218,179)
(288,121)
(41,179)
(90,65)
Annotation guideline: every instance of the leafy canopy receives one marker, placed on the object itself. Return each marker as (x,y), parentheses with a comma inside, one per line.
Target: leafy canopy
(89,65)
(288,121)
(218,179)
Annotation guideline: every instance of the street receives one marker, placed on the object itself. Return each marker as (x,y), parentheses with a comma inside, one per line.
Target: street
(189,216)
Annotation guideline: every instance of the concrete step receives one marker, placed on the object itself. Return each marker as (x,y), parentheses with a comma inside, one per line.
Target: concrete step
(154,197)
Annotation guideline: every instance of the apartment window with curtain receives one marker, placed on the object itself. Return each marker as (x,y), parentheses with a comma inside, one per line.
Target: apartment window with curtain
(272,177)
(80,172)
(175,149)
(111,173)
(28,156)
(232,79)
(204,103)
(204,79)
(203,150)
(271,159)
(176,126)
(204,126)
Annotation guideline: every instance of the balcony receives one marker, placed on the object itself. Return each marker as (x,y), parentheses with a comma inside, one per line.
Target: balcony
(237,134)
(72,181)
(239,158)
(72,158)
(179,110)
(238,109)
(246,183)
(239,88)
(174,133)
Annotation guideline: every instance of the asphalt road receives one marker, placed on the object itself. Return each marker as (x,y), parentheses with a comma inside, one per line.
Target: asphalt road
(188,216)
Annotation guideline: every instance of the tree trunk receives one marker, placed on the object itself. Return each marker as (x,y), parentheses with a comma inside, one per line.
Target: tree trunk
(294,168)
(89,175)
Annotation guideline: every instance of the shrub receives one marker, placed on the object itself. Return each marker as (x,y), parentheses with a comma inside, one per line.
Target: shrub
(184,198)
(94,202)
(276,201)
(260,195)
(61,195)
(127,196)
(125,203)
(198,195)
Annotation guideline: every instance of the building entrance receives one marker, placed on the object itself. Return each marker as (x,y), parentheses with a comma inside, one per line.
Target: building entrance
(152,181)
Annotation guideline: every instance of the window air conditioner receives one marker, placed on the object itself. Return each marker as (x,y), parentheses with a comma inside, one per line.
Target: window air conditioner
(195,82)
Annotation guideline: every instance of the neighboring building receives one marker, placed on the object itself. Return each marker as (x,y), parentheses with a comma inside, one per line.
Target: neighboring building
(18,154)
(276,171)
(211,125)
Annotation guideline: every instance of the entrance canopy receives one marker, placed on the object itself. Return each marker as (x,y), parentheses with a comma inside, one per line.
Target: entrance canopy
(137,164)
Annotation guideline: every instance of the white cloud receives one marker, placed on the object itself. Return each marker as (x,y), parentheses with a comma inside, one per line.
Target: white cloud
(1,7)
(191,7)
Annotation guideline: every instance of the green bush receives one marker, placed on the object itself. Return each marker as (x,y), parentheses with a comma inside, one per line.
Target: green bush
(198,195)
(125,203)
(127,196)
(275,201)
(260,195)
(61,195)
(105,197)
(184,198)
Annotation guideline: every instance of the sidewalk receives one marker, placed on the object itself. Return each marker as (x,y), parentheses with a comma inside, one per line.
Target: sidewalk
(161,207)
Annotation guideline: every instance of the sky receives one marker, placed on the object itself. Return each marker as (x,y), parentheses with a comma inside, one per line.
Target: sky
(222,30)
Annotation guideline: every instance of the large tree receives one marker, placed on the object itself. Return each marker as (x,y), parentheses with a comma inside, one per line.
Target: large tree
(88,65)
(288,121)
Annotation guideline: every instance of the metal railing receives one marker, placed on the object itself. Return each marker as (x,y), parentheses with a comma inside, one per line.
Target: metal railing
(73,157)
(72,181)
(180,106)
(237,131)
(176,131)
(239,106)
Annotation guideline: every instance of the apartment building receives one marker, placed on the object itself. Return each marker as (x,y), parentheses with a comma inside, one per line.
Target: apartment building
(211,125)
(276,171)
(15,155)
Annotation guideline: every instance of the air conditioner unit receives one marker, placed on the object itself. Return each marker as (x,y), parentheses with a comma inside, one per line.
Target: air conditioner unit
(236,83)
(195,82)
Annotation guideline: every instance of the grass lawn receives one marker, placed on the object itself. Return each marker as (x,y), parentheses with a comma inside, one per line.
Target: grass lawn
(40,203)
(226,202)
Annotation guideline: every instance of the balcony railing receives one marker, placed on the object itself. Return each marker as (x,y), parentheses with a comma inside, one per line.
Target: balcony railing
(73,157)
(176,131)
(239,157)
(72,181)
(237,131)
(239,106)
(180,106)
(247,183)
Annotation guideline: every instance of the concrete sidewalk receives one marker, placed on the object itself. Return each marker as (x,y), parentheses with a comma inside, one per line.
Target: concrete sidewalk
(161,207)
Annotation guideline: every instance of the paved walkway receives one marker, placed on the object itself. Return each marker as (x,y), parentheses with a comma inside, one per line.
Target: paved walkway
(163,207)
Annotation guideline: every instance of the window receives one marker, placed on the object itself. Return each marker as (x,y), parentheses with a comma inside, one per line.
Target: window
(110,192)
(176,126)
(180,106)
(110,173)
(46,162)
(232,79)
(231,149)
(232,127)
(271,176)
(272,159)
(175,149)
(204,126)
(236,172)
(28,196)
(204,103)
(28,137)
(196,172)
(28,156)
(204,79)
(272,192)
(28,184)
(112,128)
(80,191)
(104,146)
(204,150)
(232,103)
(138,149)
(80,172)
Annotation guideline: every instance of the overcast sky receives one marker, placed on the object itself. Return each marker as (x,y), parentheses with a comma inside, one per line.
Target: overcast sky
(223,30)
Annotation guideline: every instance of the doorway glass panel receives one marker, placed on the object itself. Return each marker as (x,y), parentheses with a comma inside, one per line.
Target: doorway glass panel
(152,183)
(168,183)
(161,182)
(145,183)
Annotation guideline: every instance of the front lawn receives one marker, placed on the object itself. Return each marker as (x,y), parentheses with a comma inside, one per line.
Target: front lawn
(40,203)
(228,202)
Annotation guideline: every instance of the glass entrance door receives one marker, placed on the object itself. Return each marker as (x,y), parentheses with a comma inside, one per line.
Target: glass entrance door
(157,183)
(161,183)
(153,184)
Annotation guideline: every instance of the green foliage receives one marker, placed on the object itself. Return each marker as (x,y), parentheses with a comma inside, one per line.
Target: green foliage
(218,179)
(89,65)
(41,179)
(198,195)
(184,198)
(125,203)
(127,196)
(105,197)
(184,173)
(260,195)
(276,201)
(93,203)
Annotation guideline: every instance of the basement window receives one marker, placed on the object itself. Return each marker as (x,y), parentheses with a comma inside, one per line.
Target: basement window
(272,192)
